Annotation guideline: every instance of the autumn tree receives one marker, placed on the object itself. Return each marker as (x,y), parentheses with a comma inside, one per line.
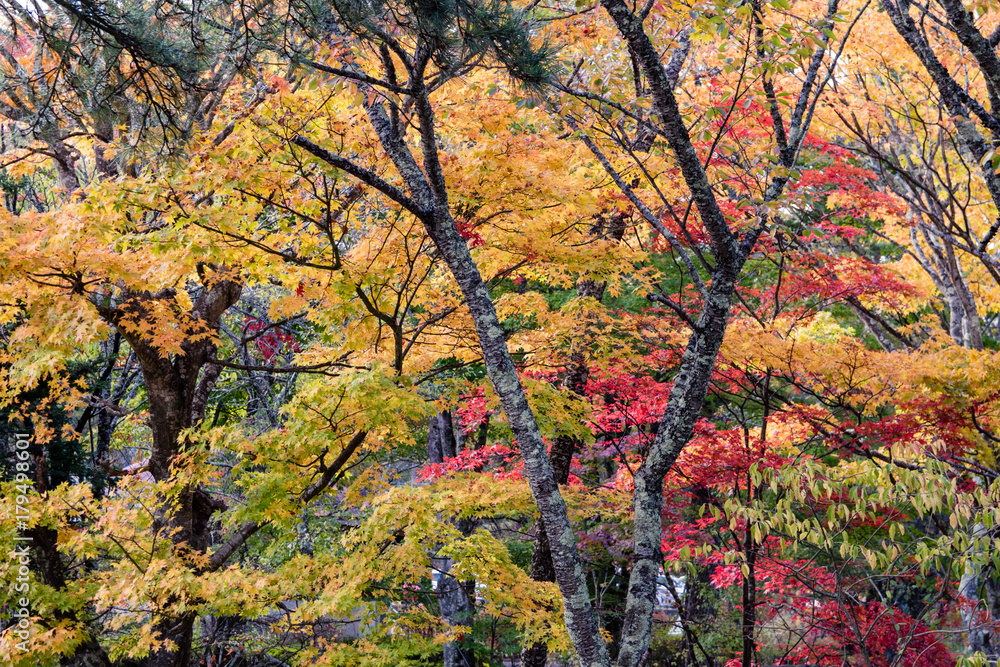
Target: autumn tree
(608,252)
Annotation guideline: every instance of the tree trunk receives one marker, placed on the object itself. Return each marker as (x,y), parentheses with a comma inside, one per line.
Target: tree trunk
(428,200)
(457,606)
(425,195)
(455,598)
(178,389)
(690,386)
(991,641)
(749,615)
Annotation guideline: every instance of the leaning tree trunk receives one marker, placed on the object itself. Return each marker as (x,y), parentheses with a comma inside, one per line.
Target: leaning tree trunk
(971,119)
(428,200)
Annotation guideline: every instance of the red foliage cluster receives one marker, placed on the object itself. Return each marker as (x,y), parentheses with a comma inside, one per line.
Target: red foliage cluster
(885,432)
(860,188)
(818,275)
(831,632)
(923,420)
(689,534)
(475,411)
(888,637)
(468,230)
(722,458)
(268,339)
(624,400)
(501,459)
(948,419)
(779,578)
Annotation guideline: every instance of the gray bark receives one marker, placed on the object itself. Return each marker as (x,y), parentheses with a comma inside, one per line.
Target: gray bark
(690,385)
(580,618)
(455,598)
(942,265)
(425,195)
(964,109)
(427,198)
(441,441)
(968,588)
(965,112)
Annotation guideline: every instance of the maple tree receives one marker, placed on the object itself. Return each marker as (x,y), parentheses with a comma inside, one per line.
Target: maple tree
(396,333)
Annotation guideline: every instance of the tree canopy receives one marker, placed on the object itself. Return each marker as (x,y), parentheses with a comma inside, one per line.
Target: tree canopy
(460,332)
